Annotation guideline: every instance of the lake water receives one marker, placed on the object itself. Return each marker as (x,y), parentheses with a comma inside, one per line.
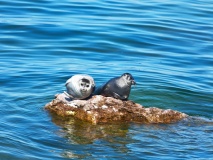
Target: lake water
(167,46)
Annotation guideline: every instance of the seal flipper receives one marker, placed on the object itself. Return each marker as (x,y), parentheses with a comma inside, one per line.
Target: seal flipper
(117,96)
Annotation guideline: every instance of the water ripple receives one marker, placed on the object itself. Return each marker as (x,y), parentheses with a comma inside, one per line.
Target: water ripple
(167,46)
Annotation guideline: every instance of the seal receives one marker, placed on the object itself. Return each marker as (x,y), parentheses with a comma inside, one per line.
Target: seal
(118,87)
(80,86)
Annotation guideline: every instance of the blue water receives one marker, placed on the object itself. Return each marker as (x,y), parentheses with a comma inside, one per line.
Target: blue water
(167,46)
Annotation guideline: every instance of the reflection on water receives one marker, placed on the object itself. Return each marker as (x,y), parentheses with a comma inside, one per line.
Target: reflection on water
(86,135)
(125,137)
(81,132)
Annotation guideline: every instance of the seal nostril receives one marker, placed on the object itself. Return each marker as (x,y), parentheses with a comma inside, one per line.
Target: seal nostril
(133,82)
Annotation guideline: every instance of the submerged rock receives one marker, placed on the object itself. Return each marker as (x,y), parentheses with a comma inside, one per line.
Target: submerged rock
(100,109)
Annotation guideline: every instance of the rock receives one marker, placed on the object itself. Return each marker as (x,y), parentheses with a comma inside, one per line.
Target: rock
(100,109)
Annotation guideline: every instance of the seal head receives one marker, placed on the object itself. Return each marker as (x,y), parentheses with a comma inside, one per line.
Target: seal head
(80,86)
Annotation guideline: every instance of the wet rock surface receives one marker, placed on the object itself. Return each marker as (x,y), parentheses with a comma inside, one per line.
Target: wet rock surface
(100,109)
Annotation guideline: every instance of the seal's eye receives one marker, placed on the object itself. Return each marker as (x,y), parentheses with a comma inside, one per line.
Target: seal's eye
(128,77)
(87,86)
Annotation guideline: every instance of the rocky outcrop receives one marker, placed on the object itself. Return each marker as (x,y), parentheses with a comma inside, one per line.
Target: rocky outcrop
(100,109)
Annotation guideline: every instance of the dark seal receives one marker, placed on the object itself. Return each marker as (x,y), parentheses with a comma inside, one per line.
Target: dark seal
(118,87)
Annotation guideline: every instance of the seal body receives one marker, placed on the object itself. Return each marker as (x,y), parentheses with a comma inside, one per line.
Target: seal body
(118,87)
(80,86)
